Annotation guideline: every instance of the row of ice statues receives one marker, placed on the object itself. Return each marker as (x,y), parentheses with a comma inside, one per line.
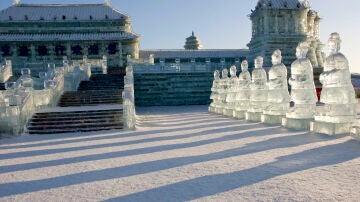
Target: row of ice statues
(257,97)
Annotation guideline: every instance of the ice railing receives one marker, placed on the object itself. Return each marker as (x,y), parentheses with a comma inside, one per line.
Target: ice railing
(98,66)
(23,97)
(5,71)
(129,112)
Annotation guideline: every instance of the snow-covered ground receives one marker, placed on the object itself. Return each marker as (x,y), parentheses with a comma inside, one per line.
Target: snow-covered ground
(181,154)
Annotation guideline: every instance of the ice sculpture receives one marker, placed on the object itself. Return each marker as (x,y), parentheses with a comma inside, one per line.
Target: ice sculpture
(231,92)
(303,92)
(278,95)
(243,91)
(338,94)
(259,91)
(129,112)
(223,91)
(215,92)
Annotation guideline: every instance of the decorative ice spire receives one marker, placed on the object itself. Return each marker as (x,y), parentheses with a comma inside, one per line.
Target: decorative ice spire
(16,2)
(107,2)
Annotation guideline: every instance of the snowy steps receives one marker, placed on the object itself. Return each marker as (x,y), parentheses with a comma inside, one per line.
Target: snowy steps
(171,89)
(75,121)
(97,105)
(103,82)
(86,98)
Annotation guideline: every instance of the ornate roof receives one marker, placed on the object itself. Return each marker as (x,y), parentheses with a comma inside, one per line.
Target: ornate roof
(284,4)
(60,12)
(68,37)
(192,43)
(204,53)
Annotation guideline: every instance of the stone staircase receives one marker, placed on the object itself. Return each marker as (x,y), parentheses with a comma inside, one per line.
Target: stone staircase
(89,98)
(78,120)
(103,82)
(97,105)
(169,89)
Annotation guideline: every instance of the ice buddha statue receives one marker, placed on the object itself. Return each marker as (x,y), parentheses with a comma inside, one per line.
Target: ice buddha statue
(338,94)
(259,91)
(223,91)
(303,92)
(243,91)
(278,94)
(231,92)
(215,92)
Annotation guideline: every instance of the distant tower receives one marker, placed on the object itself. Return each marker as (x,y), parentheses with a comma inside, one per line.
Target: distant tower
(192,43)
(282,25)
(16,2)
(107,2)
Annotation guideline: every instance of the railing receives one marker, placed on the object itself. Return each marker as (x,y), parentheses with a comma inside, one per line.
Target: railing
(20,99)
(173,68)
(5,71)
(129,112)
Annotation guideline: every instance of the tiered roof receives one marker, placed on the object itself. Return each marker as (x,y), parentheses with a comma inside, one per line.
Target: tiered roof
(284,4)
(68,37)
(60,12)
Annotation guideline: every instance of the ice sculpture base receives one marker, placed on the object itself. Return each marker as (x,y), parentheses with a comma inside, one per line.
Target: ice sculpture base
(296,124)
(218,110)
(253,116)
(330,128)
(355,132)
(271,119)
(211,109)
(228,112)
(239,114)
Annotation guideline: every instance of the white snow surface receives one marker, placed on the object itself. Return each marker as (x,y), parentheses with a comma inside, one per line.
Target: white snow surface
(181,154)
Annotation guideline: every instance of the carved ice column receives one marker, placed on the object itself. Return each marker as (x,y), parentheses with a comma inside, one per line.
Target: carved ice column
(68,50)
(319,54)
(311,23)
(51,52)
(266,23)
(33,53)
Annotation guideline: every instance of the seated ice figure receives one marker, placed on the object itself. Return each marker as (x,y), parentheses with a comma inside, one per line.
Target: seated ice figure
(278,95)
(258,86)
(223,90)
(303,92)
(215,91)
(231,92)
(338,93)
(243,89)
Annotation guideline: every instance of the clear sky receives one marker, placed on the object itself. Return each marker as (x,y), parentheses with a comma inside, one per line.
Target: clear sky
(164,24)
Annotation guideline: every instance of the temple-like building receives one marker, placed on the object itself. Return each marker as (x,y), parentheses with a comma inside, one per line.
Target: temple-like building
(193,43)
(43,33)
(282,24)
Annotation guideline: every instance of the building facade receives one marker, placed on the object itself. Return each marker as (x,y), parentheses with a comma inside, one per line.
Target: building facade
(45,33)
(282,24)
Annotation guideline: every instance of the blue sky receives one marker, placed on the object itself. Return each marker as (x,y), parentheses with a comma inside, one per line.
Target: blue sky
(164,24)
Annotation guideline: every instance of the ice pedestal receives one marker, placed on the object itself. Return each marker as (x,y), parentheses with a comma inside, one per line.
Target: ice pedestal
(271,119)
(253,116)
(355,132)
(330,128)
(296,124)
(240,114)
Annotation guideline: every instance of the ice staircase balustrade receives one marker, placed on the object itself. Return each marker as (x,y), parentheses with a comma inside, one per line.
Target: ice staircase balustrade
(5,71)
(28,94)
(129,112)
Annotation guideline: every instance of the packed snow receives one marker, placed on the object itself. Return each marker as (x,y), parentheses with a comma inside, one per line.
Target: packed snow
(181,154)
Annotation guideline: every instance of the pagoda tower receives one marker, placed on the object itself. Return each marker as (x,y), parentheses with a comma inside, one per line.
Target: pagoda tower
(282,25)
(192,43)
